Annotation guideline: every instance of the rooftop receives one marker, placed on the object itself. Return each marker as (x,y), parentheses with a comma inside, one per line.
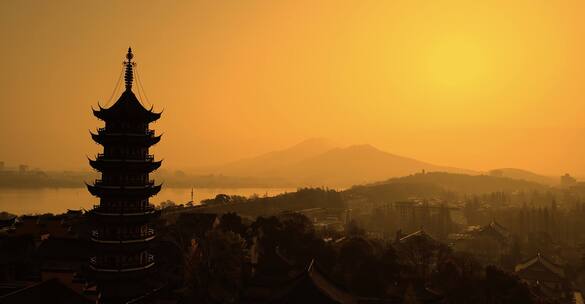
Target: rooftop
(539,259)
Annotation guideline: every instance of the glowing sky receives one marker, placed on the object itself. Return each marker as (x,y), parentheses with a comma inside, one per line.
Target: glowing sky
(472,84)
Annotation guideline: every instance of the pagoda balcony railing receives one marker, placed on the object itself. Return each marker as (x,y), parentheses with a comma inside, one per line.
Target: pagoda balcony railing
(116,268)
(124,238)
(117,210)
(102,156)
(127,184)
(146,132)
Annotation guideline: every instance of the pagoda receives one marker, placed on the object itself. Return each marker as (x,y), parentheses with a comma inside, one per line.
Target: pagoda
(122,221)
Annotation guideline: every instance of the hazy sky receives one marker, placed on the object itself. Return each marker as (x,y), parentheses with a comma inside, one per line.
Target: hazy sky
(472,84)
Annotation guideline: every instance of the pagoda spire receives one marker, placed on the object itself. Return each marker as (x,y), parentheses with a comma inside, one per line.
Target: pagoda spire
(129,75)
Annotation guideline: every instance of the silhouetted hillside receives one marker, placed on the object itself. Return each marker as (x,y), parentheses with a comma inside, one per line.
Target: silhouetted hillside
(525,175)
(395,191)
(463,183)
(304,198)
(440,183)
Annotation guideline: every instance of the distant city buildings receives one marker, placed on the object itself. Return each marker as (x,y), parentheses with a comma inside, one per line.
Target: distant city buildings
(568,181)
(22,169)
(490,243)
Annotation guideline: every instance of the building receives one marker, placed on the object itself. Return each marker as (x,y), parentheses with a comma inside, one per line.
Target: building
(435,215)
(123,219)
(545,278)
(22,169)
(489,243)
(567,180)
(312,286)
(285,285)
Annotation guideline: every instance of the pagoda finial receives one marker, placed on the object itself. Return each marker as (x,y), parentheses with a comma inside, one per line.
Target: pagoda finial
(129,76)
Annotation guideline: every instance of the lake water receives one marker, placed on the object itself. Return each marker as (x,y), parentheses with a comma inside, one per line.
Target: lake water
(58,200)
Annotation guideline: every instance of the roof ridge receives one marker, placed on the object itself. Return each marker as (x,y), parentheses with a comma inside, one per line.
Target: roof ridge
(551,266)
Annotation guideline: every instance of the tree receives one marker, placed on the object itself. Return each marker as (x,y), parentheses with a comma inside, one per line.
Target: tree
(232,222)
(420,253)
(215,271)
(167,204)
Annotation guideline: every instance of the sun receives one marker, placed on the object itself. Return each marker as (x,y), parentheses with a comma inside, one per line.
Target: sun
(455,64)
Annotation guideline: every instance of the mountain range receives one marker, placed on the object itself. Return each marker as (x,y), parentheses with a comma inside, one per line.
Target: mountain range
(318,162)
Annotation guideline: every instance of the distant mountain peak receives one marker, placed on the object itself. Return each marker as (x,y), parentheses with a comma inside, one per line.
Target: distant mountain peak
(316,161)
(314,143)
(363,147)
(268,164)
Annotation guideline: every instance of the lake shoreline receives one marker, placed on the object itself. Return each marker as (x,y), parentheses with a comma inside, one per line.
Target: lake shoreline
(24,201)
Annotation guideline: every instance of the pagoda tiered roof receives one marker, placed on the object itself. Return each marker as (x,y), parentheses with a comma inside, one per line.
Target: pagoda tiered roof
(144,191)
(127,108)
(147,165)
(144,138)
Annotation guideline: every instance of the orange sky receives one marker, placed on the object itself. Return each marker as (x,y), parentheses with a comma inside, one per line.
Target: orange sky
(471,84)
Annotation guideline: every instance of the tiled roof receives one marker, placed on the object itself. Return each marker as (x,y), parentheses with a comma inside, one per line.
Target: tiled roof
(497,229)
(417,234)
(539,259)
(127,108)
(313,287)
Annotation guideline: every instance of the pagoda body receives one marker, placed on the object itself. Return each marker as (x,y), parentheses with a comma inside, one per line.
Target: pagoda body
(123,219)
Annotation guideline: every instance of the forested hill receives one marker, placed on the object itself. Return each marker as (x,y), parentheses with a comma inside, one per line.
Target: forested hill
(439,183)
